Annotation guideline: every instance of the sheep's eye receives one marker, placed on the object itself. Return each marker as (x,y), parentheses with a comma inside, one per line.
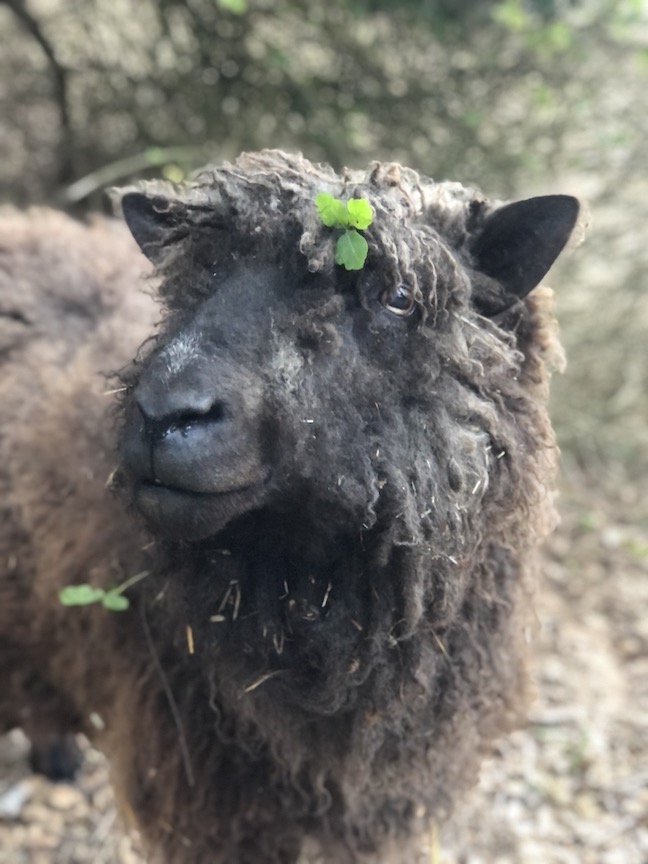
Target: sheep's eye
(399,301)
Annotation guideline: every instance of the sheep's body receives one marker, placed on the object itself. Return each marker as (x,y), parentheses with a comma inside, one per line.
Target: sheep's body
(344,510)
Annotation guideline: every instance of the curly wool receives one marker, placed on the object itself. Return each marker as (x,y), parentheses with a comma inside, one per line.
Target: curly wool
(264,202)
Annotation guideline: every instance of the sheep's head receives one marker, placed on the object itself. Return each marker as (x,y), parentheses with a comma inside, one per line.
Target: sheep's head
(280,374)
(329,424)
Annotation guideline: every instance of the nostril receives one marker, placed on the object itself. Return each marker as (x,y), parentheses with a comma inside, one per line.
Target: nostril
(184,421)
(159,424)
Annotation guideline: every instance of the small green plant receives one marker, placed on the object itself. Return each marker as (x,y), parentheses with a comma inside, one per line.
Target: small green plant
(236,7)
(110,598)
(351,216)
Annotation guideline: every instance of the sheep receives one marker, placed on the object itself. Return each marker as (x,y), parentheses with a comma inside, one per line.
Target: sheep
(326,486)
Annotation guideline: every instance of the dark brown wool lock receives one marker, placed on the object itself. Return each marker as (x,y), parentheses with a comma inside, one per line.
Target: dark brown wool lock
(337,505)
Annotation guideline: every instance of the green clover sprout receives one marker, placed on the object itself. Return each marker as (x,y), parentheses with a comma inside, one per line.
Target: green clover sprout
(351,216)
(110,598)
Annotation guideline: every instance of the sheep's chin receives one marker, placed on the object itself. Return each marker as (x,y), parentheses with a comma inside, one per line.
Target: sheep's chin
(178,514)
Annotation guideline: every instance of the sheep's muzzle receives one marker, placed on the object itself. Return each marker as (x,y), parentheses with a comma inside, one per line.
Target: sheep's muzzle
(191,446)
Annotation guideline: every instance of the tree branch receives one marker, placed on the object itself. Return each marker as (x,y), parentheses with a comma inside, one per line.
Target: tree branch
(60,77)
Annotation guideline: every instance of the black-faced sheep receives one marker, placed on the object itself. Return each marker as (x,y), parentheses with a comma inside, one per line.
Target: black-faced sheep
(341,477)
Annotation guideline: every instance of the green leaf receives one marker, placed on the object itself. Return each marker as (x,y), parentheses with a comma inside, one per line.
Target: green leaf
(236,7)
(559,36)
(351,250)
(360,213)
(332,211)
(512,15)
(115,602)
(80,595)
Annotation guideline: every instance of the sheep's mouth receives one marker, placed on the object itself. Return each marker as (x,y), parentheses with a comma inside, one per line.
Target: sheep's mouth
(184,514)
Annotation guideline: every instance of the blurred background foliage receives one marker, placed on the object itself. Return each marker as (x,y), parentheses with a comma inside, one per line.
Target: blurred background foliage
(519,97)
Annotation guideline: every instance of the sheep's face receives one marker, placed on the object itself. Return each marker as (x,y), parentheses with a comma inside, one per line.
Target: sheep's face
(329,392)
(275,388)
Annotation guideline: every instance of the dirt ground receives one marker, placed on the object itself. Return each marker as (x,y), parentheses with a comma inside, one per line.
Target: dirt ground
(572,788)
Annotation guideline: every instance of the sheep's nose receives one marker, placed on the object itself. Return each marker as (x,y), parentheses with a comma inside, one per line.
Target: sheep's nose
(182,433)
(197,430)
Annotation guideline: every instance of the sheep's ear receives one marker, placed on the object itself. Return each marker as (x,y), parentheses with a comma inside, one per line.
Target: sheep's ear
(519,242)
(150,219)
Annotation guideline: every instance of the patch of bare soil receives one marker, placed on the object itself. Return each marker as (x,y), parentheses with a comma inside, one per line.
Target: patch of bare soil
(572,788)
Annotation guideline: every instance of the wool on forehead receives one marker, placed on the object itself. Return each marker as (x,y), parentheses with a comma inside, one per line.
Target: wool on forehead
(262,205)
